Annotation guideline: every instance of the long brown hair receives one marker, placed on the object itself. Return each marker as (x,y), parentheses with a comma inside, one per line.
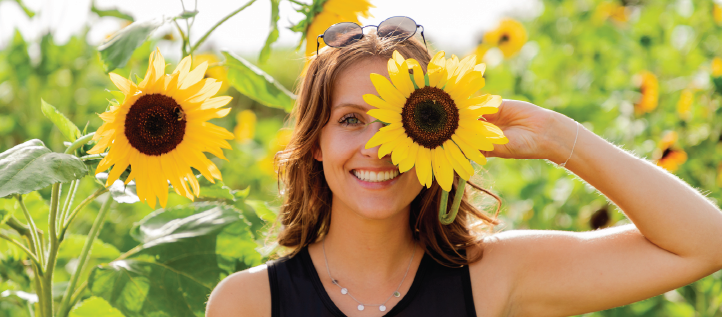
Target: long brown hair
(306,212)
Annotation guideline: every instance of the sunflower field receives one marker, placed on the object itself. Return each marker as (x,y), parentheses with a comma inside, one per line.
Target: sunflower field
(95,221)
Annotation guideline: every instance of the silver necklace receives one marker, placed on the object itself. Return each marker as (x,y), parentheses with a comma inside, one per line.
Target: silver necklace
(344,291)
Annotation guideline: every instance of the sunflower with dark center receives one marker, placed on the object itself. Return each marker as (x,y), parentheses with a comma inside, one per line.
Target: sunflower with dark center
(668,155)
(160,130)
(510,36)
(433,120)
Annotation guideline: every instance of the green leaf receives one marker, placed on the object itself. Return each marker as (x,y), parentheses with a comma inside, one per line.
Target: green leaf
(94,306)
(256,84)
(184,252)
(69,130)
(73,244)
(120,192)
(272,35)
(117,51)
(110,13)
(217,190)
(31,166)
(262,210)
(187,14)
(28,12)
(183,222)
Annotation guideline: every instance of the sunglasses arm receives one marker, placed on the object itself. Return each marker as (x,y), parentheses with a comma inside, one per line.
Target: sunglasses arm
(318,44)
(422,36)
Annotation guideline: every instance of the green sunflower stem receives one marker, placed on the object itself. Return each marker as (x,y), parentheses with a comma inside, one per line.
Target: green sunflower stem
(79,142)
(36,242)
(445,218)
(205,36)
(84,256)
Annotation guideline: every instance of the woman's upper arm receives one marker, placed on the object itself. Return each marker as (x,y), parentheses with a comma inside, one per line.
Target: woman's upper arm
(245,293)
(556,273)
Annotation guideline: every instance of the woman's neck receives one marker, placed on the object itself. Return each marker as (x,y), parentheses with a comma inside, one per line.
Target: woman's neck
(369,247)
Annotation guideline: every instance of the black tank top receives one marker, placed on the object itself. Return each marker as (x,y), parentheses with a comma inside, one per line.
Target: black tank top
(437,290)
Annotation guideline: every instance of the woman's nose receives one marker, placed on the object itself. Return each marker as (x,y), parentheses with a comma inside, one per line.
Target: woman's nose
(370,131)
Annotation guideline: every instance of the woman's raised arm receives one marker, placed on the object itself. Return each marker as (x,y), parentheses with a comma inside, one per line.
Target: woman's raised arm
(677,238)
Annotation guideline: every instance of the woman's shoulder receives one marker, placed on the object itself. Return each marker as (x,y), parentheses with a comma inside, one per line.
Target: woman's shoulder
(245,293)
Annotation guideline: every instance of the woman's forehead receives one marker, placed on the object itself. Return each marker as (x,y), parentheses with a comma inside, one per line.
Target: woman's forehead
(355,81)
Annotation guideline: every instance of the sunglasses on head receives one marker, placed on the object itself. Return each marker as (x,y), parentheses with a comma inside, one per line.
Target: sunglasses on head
(345,33)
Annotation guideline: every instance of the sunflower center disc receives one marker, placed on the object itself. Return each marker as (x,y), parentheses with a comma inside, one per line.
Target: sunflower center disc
(155,124)
(430,117)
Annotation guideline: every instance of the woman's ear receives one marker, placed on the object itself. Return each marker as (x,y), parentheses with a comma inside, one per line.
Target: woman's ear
(318,154)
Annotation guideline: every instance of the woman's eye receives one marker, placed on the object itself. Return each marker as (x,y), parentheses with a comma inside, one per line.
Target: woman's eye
(350,120)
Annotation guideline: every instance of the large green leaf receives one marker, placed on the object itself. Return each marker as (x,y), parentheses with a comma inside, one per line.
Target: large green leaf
(95,306)
(184,252)
(117,51)
(110,13)
(272,35)
(31,166)
(256,84)
(143,287)
(69,130)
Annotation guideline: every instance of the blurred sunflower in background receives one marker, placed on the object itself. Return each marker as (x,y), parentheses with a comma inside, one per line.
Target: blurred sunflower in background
(684,104)
(214,71)
(323,13)
(610,11)
(432,121)
(245,126)
(277,144)
(717,14)
(649,90)
(717,74)
(510,36)
(160,130)
(667,155)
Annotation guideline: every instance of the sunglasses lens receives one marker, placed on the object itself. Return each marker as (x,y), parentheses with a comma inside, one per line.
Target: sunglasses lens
(342,34)
(401,27)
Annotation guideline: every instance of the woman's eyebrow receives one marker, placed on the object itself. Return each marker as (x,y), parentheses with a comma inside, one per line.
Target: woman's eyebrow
(352,105)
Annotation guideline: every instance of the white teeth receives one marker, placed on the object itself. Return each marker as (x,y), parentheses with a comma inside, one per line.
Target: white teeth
(371,176)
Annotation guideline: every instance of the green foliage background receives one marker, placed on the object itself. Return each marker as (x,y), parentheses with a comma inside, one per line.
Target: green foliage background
(572,64)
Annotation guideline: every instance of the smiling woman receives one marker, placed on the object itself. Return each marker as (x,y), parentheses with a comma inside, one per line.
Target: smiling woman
(364,238)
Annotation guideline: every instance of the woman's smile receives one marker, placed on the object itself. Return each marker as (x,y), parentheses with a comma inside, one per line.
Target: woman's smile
(376,178)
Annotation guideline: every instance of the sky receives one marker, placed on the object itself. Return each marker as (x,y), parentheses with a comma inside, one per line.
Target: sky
(453,25)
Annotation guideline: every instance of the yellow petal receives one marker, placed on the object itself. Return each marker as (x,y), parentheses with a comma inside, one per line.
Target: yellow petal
(386,90)
(442,168)
(475,140)
(387,147)
(170,169)
(194,76)
(486,100)
(469,151)
(118,169)
(377,102)
(400,78)
(183,67)
(396,56)
(383,136)
(418,72)
(466,90)
(185,171)
(423,164)
(120,82)
(477,127)
(476,113)
(401,151)
(454,154)
(392,126)
(206,115)
(408,163)
(159,180)
(384,115)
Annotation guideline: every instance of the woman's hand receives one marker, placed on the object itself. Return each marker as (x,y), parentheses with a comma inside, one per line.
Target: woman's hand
(533,132)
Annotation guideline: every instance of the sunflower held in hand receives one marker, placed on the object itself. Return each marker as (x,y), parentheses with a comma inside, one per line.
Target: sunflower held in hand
(433,122)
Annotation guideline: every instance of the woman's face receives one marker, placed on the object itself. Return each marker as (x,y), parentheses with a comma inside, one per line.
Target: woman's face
(361,182)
